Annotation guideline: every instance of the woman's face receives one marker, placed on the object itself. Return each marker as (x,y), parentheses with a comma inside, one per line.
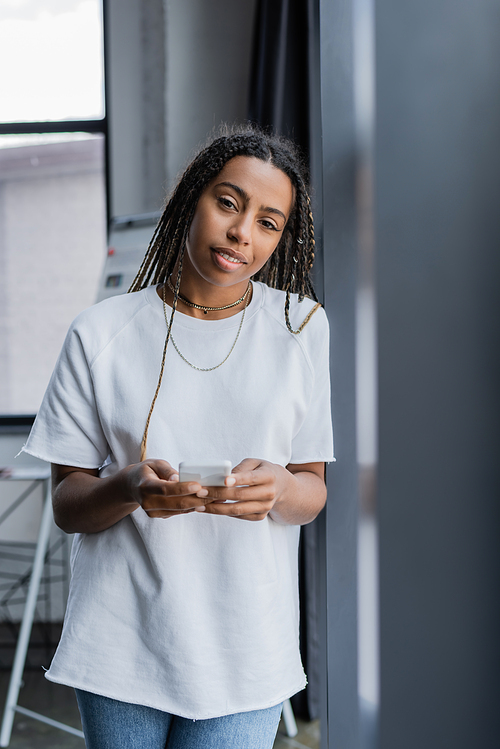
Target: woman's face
(239,220)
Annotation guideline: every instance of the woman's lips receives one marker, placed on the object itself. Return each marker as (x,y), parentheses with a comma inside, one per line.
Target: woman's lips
(228,260)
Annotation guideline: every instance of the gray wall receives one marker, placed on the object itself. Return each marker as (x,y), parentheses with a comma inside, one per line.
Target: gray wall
(339,726)
(135,65)
(437,234)
(176,70)
(438,260)
(208,65)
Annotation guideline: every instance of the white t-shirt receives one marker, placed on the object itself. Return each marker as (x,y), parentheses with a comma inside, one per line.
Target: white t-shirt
(196,615)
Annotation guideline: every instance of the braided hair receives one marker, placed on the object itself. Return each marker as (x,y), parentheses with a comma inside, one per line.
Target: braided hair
(288,268)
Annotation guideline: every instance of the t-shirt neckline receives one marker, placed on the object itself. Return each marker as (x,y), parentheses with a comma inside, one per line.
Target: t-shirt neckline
(195,323)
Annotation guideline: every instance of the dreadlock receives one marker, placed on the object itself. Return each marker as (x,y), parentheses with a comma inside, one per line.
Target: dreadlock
(288,268)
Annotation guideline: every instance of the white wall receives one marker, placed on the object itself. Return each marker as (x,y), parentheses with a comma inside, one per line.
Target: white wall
(52,248)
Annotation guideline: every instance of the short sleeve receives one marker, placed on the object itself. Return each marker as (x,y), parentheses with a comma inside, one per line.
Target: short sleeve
(314,440)
(67,429)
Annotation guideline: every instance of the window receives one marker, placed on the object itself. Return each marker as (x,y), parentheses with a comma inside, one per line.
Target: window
(52,185)
(52,53)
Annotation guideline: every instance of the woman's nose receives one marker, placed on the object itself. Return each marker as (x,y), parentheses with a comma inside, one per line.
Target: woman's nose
(241,230)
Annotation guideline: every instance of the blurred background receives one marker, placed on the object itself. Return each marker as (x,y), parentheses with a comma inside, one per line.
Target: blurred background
(397,109)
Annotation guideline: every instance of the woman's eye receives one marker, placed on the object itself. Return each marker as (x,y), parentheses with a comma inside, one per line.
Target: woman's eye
(226,202)
(269,225)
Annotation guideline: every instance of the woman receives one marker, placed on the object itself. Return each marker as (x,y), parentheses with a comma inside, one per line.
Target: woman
(182,621)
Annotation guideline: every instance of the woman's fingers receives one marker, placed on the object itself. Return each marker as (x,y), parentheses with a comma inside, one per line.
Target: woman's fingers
(162,469)
(255,487)
(250,471)
(167,494)
(174,496)
(249,510)
(248,464)
(258,483)
(165,513)
(259,492)
(252,502)
(169,513)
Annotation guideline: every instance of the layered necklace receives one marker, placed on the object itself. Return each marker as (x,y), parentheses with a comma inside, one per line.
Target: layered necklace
(205,310)
(246,295)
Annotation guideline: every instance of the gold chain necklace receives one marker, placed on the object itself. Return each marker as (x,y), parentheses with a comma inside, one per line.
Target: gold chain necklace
(209,369)
(209,309)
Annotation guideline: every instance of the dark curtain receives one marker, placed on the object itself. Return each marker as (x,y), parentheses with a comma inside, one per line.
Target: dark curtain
(279,83)
(284,97)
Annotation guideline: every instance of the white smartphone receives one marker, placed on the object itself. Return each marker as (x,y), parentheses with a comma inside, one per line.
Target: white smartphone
(207,472)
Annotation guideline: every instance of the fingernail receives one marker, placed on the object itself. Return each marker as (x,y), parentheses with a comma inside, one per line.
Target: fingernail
(174,477)
(202,493)
(230,481)
(200,509)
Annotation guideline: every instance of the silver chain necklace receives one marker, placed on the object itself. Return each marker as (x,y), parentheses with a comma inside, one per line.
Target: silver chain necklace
(205,369)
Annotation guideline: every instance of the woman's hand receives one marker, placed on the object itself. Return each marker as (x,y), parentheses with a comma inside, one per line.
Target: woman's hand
(85,503)
(155,486)
(257,488)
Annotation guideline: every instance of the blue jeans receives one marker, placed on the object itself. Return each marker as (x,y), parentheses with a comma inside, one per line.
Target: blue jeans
(110,724)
